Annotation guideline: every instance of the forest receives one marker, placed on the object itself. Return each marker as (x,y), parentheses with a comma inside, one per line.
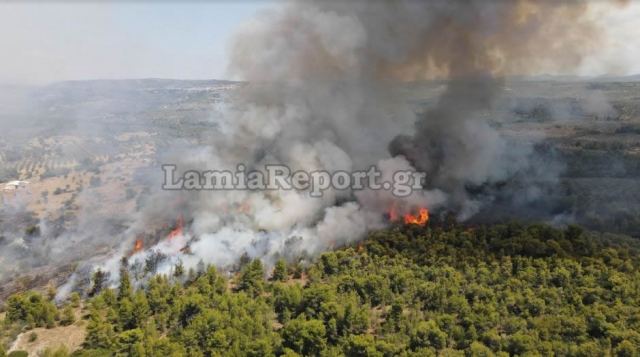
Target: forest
(439,290)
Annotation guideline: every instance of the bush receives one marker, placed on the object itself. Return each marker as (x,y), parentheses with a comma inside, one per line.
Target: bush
(33,337)
(61,351)
(18,354)
(32,231)
(68,317)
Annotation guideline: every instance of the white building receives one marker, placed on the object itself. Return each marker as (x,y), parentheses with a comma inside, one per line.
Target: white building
(12,189)
(13,186)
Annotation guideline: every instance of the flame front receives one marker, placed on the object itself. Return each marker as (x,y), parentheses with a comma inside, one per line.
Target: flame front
(177,231)
(420,219)
(138,246)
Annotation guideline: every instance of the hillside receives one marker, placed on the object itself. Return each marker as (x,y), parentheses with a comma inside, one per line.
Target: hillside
(408,290)
(91,153)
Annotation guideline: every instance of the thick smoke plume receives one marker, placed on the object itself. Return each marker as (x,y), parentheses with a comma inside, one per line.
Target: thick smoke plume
(324,93)
(326,73)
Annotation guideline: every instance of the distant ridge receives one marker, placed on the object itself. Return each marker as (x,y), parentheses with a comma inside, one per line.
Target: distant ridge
(159,83)
(573,78)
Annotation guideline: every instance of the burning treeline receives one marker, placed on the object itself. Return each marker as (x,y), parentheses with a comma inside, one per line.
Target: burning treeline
(321,95)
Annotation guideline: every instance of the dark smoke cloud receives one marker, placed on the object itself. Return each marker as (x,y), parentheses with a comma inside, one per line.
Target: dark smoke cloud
(337,62)
(323,94)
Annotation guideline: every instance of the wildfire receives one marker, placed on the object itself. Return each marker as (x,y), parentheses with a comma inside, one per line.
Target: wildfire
(420,219)
(138,246)
(177,231)
(393,213)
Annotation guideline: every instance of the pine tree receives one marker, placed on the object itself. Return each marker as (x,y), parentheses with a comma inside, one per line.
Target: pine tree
(280,271)
(178,271)
(100,335)
(51,292)
(75,299)
(140,309)
(124,290)
(252,278)
(99,279)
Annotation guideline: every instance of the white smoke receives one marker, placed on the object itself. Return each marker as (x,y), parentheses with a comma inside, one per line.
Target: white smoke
(322,95)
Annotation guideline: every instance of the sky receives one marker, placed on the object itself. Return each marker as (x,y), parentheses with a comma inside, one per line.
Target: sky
(45,42)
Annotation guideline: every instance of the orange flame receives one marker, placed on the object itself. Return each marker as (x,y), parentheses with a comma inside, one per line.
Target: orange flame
(420,219)
(393,214)
(138,246)
(177,231)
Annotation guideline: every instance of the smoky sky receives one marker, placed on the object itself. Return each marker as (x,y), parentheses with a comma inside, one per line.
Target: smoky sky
(57,41)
